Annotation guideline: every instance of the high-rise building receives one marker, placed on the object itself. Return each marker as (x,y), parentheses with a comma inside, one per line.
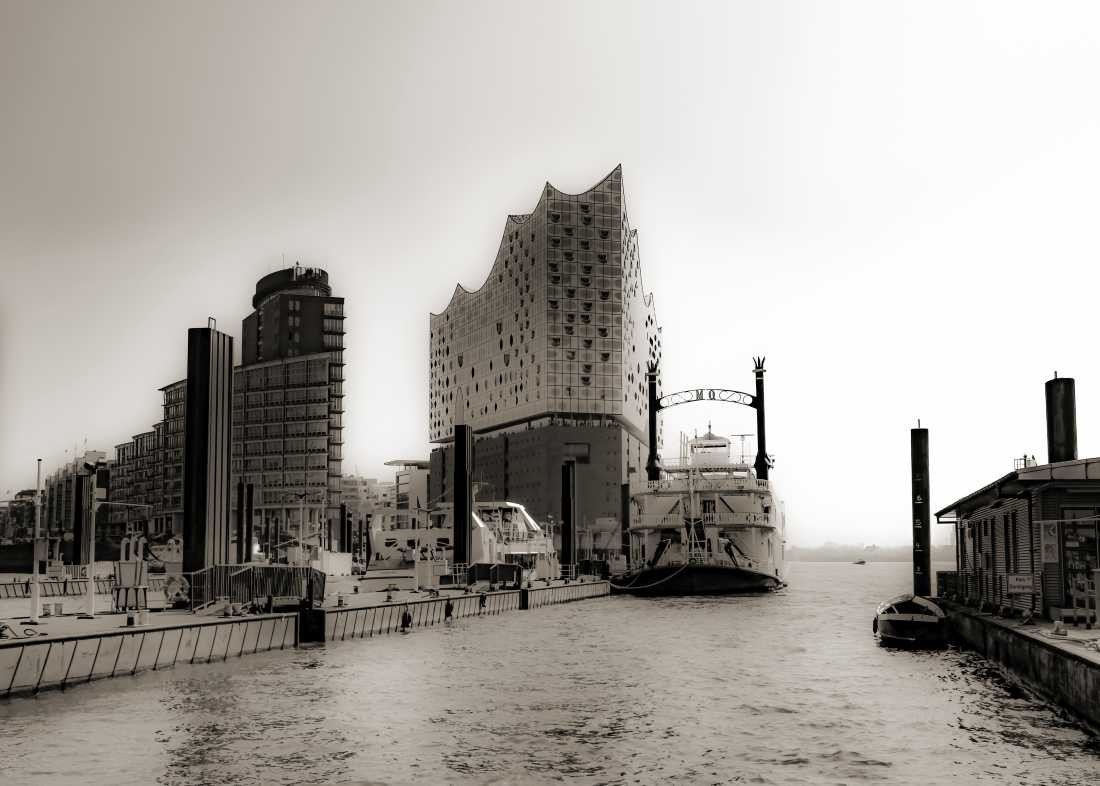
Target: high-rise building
(66,514)
(288,407)
(547,360)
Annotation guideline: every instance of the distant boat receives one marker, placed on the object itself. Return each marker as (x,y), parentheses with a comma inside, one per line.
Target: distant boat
(860,562)
(910,621)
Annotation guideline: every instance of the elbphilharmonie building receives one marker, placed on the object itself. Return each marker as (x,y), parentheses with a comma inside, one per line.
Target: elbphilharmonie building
(546,362)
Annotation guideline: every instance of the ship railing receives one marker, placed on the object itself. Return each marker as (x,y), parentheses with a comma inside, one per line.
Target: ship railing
(720,520)
(709,484)
(705,463)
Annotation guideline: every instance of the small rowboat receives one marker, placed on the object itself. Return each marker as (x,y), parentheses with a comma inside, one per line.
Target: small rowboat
(910,621)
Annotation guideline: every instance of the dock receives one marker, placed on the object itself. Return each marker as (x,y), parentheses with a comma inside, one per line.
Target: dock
(67,651)
(1064,669)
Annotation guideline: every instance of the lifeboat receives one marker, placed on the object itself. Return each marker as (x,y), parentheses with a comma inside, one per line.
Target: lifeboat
(910,621)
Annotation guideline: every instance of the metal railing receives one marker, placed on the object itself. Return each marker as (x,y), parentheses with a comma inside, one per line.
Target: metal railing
(251,583)
(709,484)
(728,520)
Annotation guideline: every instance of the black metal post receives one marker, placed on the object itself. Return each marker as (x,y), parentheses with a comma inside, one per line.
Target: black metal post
(568,512)
(242,550)
(249,518)
(922,556)
(761,464)
(624,520)
(653,462)
(463,493)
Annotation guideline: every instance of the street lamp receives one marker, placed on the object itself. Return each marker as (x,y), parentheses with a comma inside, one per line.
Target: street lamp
(34,547)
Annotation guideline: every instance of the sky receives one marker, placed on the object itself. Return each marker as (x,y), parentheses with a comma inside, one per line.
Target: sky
(894,203)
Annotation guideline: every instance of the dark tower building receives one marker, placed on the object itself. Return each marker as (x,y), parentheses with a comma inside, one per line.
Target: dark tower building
(207,420)
(288,407)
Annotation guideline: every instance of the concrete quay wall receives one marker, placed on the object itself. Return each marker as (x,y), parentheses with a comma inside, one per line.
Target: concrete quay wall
(30,665)
(364,622)
(35,664)
(1067,677)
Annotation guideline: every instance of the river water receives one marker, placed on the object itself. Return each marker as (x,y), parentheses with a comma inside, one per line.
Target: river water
(787,688)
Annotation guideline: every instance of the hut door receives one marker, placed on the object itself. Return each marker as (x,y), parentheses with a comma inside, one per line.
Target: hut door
(1079,554)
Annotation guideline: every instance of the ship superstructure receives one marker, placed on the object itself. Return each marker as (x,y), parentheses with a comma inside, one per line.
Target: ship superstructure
(709,525)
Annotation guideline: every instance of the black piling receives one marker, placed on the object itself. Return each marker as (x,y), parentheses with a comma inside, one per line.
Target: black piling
(463,493)
(249,518)
(242,549)
(568,552)
(922,554)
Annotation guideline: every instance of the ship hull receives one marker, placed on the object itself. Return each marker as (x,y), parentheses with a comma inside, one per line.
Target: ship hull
(918,633)
(673,580)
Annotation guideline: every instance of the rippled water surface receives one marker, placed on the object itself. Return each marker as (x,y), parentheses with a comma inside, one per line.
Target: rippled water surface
(786,688)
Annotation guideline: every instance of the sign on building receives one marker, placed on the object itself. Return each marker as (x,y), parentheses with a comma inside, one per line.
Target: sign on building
(1021,584)
(1049,542)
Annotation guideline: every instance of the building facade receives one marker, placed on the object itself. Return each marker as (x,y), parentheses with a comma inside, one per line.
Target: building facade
(288,408)
(66,513)
(547,360)
(1029,541)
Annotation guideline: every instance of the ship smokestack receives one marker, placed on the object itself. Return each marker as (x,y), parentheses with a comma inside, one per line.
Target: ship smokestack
(1061,419)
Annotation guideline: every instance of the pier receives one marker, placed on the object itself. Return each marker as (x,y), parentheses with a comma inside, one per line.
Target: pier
(69,651)
(1063,668)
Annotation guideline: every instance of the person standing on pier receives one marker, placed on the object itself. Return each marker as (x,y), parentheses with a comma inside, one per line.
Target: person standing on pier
(448,610)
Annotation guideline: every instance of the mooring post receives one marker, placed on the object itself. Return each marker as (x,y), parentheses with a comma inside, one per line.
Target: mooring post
(922,556)
(463,492)
(568,551)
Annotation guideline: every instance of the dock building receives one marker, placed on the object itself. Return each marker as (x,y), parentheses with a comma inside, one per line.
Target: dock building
(546,361)
(1028,541)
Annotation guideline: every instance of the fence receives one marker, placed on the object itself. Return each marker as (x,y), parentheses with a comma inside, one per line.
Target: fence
(341,624)
(54,588)
(31,665)
(248,583)
(547,596)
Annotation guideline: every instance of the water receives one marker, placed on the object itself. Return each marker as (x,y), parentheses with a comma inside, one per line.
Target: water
(787,688)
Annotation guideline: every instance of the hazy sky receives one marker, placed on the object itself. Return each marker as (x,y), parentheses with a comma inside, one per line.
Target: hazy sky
(896,204)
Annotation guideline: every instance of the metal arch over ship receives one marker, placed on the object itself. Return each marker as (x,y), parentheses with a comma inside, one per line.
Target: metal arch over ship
(706,524)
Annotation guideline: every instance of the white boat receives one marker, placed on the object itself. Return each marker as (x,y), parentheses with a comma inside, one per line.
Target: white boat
(709,526)
(910,621)
(502,533)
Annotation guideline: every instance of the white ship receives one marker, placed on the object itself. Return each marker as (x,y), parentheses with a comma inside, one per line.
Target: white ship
(709,526)
(503,533)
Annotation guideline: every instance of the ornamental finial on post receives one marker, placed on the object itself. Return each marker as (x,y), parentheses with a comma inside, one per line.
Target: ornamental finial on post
(758,365)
